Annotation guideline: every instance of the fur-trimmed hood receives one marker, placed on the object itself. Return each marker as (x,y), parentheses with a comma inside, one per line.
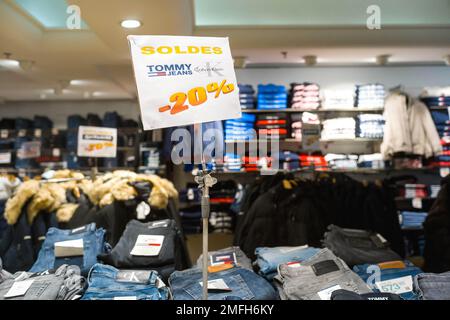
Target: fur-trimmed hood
(15,204)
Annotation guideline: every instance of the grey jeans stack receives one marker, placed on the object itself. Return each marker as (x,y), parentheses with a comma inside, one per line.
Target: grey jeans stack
(63,284)
(317,277)
(433,286)
(241,258)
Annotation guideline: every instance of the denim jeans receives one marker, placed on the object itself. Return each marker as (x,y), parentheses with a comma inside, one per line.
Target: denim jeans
(375,296)
(243,284)
(433,286)
(365,271)
(61,284)
(241,259)
(109,283)
(121,257)
(268,259)
(358,246)
(311,279)
(93,245)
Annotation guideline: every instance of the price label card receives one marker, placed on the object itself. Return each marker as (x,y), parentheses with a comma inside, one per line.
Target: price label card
(97,142)
(184,80)
(326,293)
(417,203)
(397,285)
(56,152)
(4,134)
(19,288)
(147,245)
(5,157)
(223,258)
(217,284)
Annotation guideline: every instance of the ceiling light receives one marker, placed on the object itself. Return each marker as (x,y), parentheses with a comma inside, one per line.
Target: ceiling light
(9,63)
(447,59)
(26,65)
(43,96)
(383,59)
(130,24)
(310,60)
(240,62)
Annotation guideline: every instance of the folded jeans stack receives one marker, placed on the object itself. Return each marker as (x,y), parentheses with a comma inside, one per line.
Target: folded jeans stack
(370,95)
(233,162)
(109,283)
(358,246)
(370,126)
(305,96)
(271,96)
(433,286)
(317,278)
(221,222)
(240,129)
(413,220)
(247,96)
(390,277)
(338,128)
(268,259)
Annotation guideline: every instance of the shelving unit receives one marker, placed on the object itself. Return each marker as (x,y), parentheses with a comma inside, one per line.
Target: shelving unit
(290,110)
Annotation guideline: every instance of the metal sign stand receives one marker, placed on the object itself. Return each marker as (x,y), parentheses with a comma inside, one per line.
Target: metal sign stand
(205,181)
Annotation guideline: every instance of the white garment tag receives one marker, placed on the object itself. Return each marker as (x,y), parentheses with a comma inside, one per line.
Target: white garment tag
(417,203)
(142,210)
(159,283)
(56,152)
(22,133)
(55,131)
(444,172)
(326,293)
(125,298)
(19,288)
(190,194)
(4,134)
(448,110)
(37,133)
(147,245)
(69,248)
(293,264)
(382,239)
(290,249)
(217,284)
(397,285)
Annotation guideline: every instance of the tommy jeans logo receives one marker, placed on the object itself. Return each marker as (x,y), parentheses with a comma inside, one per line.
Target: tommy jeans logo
(164,70)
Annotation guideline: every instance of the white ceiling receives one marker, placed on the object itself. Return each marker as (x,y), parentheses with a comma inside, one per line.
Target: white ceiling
(100,56)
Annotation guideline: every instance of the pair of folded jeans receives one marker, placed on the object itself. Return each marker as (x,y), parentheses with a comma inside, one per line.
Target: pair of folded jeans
(433,286)
(358,246)
(64,283)
(268,259)
(236,283)
(401,271)
(109,283)
(93,244)
(317,278)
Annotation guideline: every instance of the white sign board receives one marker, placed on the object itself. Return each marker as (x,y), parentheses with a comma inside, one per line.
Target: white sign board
(97,142)
(29,150)
(184,80)
(5,157)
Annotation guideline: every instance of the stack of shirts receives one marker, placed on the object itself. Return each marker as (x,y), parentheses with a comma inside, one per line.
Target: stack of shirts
(233,162)
(191,220)
(271,96)
(240,129)
(250,164)
(221,222)
(268,259)
(411,191)
(288,161)
(442,122)
(358,246)
(338,128)
(370,126)
(373,161)
(217,165)
(437,101)
(272,125)
(305,96)
(312,161)
(338,99)
(433,190)
(370,96)
(394,277)
(342,161)
(246,96)
(317,278)
(223,192)
(413,220)
(296,126)
(310,118)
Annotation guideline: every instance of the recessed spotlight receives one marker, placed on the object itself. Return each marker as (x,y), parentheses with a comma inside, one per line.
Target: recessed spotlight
(9,63)
(130,24)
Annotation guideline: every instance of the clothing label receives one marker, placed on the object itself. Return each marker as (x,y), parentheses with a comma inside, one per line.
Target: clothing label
(220,267)
(22,133)
(125,298)
(290,249)
(448,110)
(56,152)
(294,264)
(158,224)
(147,245)
(190,194)
(97,142)
(142,210)
(78,230)
(417,203)
(382,239)
(37,133)
(217,284)
(4,134)
(69,248)
(55,131)
(159,283)
(133,276)
(223,258)
(19,288)
(397,285)
(444,172)
(5,157)
(326,293)
(324,267)
(392,265)
(29,150)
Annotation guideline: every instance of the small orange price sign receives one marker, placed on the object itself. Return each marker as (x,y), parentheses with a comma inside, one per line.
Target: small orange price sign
(196,96)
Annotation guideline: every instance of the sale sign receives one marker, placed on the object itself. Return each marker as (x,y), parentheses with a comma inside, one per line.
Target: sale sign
(184,80)
(97,142)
